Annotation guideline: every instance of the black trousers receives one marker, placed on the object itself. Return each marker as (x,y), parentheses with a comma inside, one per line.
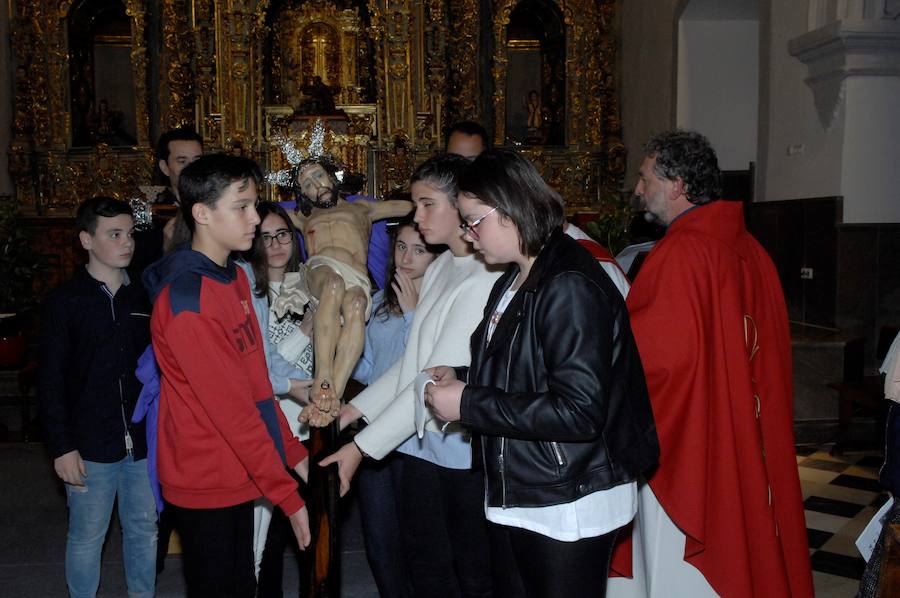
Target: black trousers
(163,534)
(444,530)
(217,547)
(379,487)
(529,565)
(281,536)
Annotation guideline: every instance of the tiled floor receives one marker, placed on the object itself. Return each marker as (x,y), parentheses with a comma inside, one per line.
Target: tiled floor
(840,496)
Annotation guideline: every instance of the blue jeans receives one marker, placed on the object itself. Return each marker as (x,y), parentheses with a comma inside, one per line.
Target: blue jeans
(90,508)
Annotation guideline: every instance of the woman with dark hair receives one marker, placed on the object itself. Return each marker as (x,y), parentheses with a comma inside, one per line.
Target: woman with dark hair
(278,240)
(444,533)
(276,268)
(393,310)
(394,306)
(555,390)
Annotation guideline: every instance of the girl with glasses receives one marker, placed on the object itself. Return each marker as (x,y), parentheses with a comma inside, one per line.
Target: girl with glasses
(555,390)
(273,257)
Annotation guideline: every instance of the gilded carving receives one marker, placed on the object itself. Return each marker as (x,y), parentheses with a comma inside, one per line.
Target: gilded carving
(48,174)
(176,91)
(435,39)
(463,93)
(135,10)
(25,41)
(398,164)
(233,64)
(300,42)
(207,107)
(398,105)
(424,127)
(315,40)
(349,146)
(594,163)
(502,8)
(401,72)
(377,39)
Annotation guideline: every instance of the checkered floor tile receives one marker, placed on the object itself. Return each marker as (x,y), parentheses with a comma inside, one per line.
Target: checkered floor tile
(840,496)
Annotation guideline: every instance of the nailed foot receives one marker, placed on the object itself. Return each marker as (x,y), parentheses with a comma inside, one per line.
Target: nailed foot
(324,399)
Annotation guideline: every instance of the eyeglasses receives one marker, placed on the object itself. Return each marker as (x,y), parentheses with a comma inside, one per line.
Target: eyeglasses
(283,237)
(469,227)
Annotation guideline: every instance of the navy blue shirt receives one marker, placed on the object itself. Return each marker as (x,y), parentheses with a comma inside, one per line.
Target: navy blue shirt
(89,347)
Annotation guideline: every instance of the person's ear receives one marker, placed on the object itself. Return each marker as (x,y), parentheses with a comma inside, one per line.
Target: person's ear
(86,240)
(677,188)
(200,213)
(165,168)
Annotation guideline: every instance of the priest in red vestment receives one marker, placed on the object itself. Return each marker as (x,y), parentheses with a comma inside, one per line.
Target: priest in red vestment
(723,513)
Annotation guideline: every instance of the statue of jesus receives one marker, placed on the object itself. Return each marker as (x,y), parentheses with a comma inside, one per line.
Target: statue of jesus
(336,235)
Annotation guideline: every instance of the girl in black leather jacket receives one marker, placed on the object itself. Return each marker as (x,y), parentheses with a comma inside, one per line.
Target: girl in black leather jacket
(555,390)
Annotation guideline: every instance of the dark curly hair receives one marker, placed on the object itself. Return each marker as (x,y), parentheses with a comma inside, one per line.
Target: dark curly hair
(689,156)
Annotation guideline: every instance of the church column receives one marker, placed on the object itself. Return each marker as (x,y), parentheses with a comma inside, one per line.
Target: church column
(6,72)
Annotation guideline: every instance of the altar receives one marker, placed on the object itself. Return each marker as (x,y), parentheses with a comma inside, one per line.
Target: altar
(97,82)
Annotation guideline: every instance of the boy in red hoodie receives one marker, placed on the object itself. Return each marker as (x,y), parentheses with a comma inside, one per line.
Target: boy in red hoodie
(222,440)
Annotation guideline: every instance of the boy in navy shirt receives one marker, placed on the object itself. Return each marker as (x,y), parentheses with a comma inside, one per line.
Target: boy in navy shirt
(93,329)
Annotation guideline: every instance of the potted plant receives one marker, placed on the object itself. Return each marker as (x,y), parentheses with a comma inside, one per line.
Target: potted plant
(610,228)
(19,264)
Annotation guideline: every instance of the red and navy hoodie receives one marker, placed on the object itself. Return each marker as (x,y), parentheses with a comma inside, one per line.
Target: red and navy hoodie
(222,439)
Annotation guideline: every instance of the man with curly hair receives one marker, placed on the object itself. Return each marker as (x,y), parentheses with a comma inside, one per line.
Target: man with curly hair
(723,513)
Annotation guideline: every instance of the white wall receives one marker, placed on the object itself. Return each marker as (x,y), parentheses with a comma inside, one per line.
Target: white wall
(857,156)
(814,168)
(718,86)
(648,75)
(871,166)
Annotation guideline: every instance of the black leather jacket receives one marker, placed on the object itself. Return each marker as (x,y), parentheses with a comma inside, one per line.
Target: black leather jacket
(558,396)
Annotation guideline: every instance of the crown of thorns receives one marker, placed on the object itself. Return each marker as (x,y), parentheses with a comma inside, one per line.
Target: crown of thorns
(299,158)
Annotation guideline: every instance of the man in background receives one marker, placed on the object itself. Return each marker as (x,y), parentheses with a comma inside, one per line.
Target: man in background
(175,149)
(467,139)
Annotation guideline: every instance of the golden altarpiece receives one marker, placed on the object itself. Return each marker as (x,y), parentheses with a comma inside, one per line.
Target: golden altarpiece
(96,81)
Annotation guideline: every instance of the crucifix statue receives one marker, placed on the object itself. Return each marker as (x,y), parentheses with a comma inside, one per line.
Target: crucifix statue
(336,238)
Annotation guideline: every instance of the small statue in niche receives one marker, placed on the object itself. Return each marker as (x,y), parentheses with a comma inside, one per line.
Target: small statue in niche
(424,120)
(398,166)
(105,126)
(319,99)
(535,123)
